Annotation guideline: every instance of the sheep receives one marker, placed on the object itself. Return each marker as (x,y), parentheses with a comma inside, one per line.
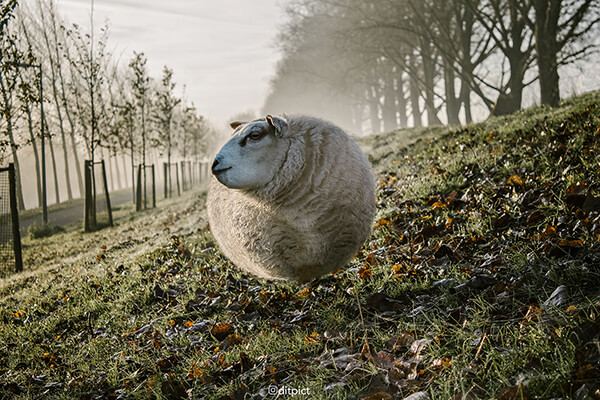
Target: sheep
(292,198)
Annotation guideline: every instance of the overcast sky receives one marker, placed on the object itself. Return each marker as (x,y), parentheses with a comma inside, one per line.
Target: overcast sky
(222,50)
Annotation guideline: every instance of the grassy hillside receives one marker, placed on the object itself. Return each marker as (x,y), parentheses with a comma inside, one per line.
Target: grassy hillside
(481,280)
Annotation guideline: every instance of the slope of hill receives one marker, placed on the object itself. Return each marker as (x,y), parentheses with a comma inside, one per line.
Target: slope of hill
(481,280)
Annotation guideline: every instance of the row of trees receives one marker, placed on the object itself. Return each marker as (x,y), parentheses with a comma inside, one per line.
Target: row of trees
(395,62)
(93,104)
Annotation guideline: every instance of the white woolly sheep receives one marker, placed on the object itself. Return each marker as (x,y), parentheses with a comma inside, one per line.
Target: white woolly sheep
(293,198)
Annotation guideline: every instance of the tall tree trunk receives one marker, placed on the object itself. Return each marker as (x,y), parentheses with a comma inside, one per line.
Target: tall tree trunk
(13,146)
(74,151)
(144,155)
(132,158)
(31,133)
(389,109)
(15,157)
(36,156)
(452,103)
(117,172)
(168,180)
(72,129)
(373,109)
(55,175)
(401,100)
(104,158)
(76,161)
(466,38)
(415,95)
(465,99)
(125,176)
(518,65)
(428,59)
(547,13)
(111,173)
(54,59)
(356,121)
(66,159)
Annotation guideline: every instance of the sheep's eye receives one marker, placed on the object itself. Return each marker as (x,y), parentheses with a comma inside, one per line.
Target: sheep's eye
(255,135)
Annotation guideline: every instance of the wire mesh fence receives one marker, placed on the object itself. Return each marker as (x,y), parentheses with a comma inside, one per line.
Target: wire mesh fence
(10,239)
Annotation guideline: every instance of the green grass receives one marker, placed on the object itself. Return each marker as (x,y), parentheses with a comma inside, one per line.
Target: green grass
(476,227)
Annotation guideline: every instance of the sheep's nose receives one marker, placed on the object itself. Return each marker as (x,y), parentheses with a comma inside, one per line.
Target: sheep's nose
(215,165)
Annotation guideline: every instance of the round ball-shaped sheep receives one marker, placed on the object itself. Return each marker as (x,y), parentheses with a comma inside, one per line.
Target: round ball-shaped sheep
(293,198)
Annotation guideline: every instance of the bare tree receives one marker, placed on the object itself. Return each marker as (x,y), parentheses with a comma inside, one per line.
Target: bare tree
(561,28)
(140,89)
(506,26)
(29,95)
(87,58)
(10,57)
(163,116)
(48,27)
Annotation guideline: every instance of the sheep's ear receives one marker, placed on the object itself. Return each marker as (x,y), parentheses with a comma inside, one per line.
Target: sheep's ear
(235,124)
(279,125)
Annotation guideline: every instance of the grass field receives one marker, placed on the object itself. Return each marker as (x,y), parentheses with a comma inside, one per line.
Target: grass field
(481,280)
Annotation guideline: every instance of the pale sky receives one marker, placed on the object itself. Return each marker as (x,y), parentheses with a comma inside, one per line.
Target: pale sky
(221,50)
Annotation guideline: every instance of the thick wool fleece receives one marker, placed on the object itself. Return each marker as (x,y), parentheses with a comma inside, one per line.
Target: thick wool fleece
(311,218)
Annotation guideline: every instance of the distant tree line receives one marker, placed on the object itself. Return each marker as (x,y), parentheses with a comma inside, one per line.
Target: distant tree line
(398,63)
(93,104)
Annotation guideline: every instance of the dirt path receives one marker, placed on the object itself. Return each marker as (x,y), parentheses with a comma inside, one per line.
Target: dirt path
(73,214)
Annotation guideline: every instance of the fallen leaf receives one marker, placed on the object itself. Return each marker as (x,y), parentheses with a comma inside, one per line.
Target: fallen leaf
(515,180)
(576,188)
(365,272)
(383,222)
(371,260)
(439,205)
(533,313)
(221,331)
(571,243)
(548,232)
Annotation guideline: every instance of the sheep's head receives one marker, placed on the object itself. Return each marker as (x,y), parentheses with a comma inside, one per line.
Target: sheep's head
(255,153)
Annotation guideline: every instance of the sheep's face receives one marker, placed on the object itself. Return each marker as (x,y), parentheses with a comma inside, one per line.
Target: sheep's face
(254,155)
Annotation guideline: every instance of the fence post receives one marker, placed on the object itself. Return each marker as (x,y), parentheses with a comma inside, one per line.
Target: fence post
(183,183)
(192,172)
(170,180)
(177,175)
(153,188)
(166,178)
(110,218)
(87,208)
(138,192)
(15,217)
(145,194)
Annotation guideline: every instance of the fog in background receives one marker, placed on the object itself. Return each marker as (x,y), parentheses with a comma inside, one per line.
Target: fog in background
(368,66)
(222,51)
